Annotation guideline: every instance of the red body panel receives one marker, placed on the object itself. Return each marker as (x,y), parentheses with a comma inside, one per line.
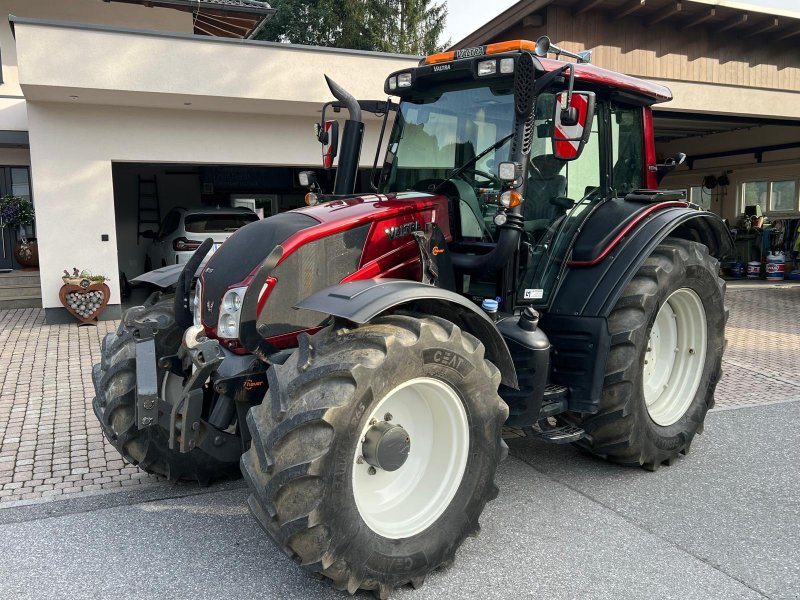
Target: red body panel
(613,80)
(650,179)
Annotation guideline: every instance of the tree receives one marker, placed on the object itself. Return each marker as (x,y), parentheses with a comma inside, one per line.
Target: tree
(405,26)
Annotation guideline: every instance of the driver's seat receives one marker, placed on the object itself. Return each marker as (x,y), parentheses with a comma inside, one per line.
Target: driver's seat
(545,183)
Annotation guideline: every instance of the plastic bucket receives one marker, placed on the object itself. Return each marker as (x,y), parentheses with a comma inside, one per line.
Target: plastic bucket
(753,269)
(775,267)
(737,270)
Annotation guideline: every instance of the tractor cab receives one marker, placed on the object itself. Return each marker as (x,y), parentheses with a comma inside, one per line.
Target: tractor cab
(524,148)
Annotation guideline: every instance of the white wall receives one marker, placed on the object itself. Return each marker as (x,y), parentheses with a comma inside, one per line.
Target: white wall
(12,105)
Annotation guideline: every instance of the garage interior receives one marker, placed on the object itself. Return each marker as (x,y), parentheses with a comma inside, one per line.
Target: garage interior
(144,194)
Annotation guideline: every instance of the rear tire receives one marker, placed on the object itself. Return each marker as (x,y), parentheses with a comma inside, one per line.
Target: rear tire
(313,496)
(667,339)
(115,401)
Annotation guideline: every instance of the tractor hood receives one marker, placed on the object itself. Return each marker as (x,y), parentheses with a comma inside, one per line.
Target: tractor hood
(313,248)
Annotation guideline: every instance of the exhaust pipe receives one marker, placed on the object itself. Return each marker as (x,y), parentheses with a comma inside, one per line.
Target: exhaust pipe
(352,138)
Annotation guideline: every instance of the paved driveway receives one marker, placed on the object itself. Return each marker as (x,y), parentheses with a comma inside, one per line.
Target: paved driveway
(722,523)
(51,445)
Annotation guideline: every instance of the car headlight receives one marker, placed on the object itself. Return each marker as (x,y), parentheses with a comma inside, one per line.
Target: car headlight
(196,303)
(230,313)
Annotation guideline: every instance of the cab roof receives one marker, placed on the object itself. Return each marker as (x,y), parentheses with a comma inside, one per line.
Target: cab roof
(653,93)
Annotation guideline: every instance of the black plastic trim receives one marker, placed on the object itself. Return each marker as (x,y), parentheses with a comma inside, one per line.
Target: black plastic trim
(363,300)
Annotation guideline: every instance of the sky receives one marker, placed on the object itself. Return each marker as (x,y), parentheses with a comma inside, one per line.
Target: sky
(465,16)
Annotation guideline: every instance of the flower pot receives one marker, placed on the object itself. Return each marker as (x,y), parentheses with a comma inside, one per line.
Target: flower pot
(27,253)
(85,302)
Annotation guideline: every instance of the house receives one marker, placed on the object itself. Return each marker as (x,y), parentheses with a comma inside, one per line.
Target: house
(105,104)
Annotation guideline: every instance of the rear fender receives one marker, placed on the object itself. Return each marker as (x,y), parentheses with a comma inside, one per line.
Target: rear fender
(363,300)
(576,321)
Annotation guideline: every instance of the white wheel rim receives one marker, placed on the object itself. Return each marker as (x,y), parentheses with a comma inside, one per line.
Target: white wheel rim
(675,356)
(402,503)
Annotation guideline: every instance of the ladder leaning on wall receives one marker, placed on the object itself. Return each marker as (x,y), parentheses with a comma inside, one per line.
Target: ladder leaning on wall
(148,208)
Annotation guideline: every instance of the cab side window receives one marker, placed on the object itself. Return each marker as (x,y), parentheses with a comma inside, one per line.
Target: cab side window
(627,149)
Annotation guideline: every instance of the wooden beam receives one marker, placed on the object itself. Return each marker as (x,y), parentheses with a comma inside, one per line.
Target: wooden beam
(787,33)
(731,23)
(628,9)
(665,13)
(588,6)
(700,18)
(764,27)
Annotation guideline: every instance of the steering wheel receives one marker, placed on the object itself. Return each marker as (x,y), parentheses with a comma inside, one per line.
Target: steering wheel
(495,181)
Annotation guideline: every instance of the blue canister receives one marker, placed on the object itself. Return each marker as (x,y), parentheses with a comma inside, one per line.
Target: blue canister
(737,270)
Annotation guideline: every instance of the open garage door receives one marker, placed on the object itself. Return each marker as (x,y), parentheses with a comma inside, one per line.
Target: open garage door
(733,161)
(162,212)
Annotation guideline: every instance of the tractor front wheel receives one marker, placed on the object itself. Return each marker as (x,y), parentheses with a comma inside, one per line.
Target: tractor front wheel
(667,338)
(375,450)
(115,401)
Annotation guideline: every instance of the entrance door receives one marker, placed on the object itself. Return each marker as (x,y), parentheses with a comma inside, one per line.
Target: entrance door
(14,181)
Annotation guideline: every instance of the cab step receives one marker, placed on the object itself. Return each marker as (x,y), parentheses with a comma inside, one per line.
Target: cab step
(561,434)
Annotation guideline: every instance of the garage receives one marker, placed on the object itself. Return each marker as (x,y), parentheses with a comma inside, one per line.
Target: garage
(149,200)
(194,122)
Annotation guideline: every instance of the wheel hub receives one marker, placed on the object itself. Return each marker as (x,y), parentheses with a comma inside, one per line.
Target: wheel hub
(386,446)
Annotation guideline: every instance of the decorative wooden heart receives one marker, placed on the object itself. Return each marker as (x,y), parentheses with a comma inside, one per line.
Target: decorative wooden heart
(85,303)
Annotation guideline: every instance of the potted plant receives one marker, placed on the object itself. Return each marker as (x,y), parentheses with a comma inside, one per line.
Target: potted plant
(17,213)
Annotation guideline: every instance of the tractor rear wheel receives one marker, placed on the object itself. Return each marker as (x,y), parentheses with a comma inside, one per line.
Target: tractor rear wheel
(375,450)
(115,401)
(667,339)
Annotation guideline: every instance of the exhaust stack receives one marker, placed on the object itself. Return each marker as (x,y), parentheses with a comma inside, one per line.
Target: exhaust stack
(352,138)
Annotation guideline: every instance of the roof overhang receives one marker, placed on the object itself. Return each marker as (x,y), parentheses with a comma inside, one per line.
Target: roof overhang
(219,18)
(747,20)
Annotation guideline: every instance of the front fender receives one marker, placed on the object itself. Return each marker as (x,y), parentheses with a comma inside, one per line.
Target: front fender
(363,300)
(163,278)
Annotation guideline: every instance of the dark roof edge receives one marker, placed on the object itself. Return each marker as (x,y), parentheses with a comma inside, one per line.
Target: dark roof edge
(202,38)
(262,8)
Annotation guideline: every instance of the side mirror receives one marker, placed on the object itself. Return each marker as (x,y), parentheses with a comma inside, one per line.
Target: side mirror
(669,165)
(572,124)
(328,136)
(149,234)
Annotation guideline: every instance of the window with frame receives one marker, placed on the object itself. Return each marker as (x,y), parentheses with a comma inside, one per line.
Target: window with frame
(778,195)
(701,196)
(627,148)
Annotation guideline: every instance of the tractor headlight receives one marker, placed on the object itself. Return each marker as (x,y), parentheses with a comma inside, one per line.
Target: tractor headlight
(197,303)
(230,313)
(404,80)
(506,65)
(392,83)
(487,67)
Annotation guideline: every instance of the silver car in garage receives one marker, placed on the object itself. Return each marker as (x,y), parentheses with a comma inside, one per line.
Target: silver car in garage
(183,230)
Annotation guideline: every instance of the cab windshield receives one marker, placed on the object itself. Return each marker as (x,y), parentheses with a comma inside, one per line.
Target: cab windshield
(436,134)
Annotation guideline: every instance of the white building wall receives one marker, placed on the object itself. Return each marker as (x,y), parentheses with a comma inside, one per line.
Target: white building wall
(12,104)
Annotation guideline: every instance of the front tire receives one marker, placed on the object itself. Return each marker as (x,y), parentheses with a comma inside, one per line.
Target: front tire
(115,401)
(667,339)
(313,487)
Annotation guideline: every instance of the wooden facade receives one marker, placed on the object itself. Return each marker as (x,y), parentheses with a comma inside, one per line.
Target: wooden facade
(663,39)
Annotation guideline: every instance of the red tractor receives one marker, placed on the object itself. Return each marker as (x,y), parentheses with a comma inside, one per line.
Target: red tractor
(516,265)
